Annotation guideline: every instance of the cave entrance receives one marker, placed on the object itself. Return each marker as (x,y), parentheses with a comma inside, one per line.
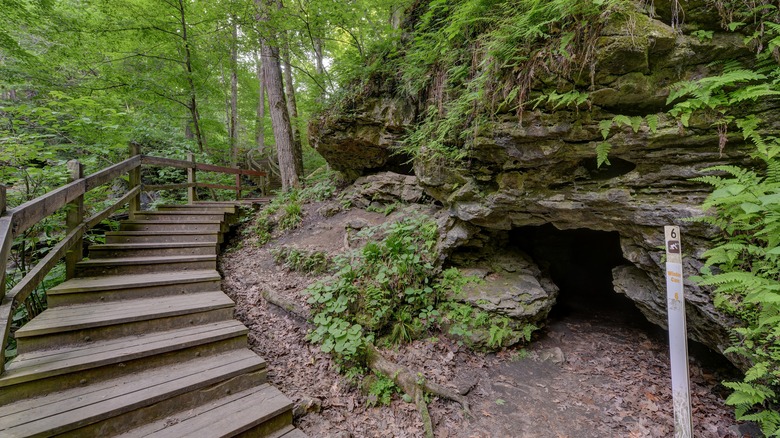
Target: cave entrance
(580,262)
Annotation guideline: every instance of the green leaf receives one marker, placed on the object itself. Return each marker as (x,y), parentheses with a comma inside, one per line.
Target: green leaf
(652,122)
(604,127)
(602,153)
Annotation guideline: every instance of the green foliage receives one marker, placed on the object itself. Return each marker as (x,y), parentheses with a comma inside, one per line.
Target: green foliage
(744,268)
(292,216)
(474,59)
(307,262)
(381,391)
(389,289)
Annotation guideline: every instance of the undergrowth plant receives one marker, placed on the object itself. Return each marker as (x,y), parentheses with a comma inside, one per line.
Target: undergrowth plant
(392,291)
(307,262)
(744,265)
(285,210)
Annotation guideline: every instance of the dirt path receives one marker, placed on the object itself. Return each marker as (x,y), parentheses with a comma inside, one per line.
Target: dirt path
(583,377)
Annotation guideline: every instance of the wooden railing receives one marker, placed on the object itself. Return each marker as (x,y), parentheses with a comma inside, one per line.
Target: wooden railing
(14,222)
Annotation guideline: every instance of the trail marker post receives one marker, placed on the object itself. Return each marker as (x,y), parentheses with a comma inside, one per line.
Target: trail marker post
(678,334)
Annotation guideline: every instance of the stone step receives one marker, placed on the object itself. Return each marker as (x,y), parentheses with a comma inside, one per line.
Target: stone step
(163,226)
(138,265)
(91,322)
(107,408)
(261,411)
(151,249)
(46,371)
(164,236)
(174,216)
(133,286)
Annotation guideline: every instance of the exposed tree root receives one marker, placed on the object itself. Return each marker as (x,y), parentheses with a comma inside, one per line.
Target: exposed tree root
(413,384)
(287,305)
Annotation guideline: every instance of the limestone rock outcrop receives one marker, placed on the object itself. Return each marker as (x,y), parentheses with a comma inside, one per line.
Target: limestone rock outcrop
(543,169)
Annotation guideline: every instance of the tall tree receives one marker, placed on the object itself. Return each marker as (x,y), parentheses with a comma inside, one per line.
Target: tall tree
(277,104)
(260,116)
(234,145)
(292,108)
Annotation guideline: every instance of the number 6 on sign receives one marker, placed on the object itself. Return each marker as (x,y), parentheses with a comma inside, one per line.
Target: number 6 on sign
(678,335)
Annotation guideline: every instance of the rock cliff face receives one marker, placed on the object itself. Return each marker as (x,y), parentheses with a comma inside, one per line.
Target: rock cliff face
(543,169)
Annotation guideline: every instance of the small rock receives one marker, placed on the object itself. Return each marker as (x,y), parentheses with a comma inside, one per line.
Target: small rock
(356,224)
(329,209)
(306,405)
(554,355)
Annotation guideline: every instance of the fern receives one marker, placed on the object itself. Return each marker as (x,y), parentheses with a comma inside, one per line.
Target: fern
(602,154)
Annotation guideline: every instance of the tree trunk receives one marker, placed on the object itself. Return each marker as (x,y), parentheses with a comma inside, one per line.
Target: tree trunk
(234,96)
(280,119)
(292,109)
(260,122)
(319,66)
(193,106)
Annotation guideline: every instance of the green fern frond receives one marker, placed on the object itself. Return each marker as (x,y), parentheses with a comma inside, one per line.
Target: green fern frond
(602,154)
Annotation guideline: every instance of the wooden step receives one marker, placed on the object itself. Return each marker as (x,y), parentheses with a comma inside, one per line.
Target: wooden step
(230,209)
(42,372)
(165,236)
(163,226)
(92,322)
(124,287)
(174,216)
(245,201)
(138,265)
(151,249)
(107,408)
(263,410)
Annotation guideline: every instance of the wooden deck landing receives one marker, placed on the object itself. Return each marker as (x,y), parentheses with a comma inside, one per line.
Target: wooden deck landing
(142,343)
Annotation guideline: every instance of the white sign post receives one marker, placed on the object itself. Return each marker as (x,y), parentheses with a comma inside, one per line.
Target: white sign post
(678,334)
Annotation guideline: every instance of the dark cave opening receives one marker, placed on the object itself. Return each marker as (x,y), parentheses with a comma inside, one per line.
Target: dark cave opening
(580,262)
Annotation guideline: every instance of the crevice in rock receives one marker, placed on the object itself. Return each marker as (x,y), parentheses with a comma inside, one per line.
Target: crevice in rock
(617,167)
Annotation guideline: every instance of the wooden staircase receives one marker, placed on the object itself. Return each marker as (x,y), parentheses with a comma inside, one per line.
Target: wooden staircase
(142,343)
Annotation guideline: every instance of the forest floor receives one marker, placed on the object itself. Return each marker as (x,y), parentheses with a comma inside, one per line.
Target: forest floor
(584,375)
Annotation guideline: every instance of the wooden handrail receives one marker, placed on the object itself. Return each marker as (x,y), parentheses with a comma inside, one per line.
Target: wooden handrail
(16,221)
(184,164)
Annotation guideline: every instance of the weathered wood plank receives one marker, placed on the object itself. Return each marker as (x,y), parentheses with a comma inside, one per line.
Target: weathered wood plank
(74,218)
(83,406)
(230,170)
(185,164)
(3,200)
(99,217)
(217,186)
(32,212)
(6,304)
(134,178)
(168,186)
(163,162)
(97,179)
(192,193)
(22,290)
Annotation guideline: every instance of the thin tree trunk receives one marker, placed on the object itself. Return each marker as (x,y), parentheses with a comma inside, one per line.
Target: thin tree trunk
(319,67)
(280,119)
(292,109)
(234,97)
(193,106)
(260,122)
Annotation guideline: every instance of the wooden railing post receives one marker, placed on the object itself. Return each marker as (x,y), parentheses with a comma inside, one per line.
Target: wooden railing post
(3,202)
(75,216)
(135,181)
(238,186)
(192,191)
